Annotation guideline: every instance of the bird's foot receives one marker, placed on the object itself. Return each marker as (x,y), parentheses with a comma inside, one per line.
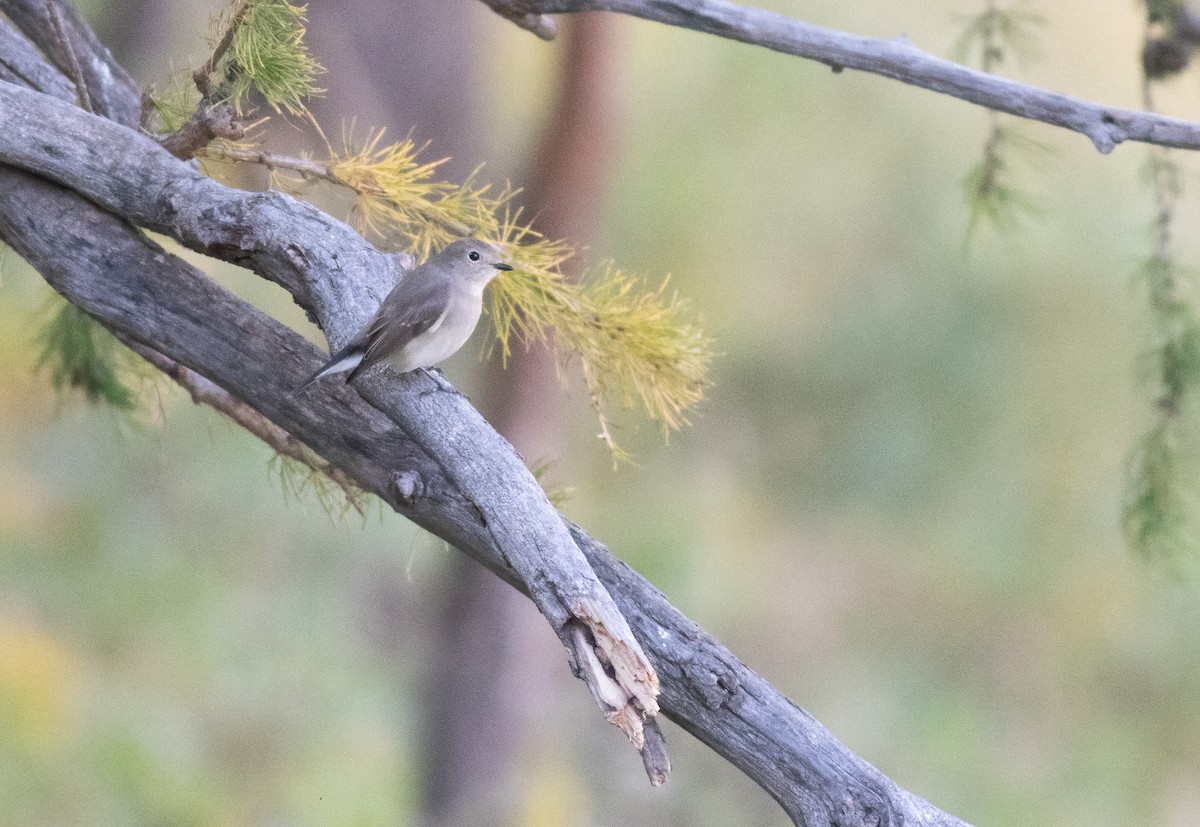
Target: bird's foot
(439,379)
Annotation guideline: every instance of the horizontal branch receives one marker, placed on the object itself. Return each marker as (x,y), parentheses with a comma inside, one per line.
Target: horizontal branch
(898,59)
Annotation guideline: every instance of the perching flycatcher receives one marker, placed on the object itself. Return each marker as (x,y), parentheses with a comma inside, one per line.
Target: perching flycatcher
(428,316)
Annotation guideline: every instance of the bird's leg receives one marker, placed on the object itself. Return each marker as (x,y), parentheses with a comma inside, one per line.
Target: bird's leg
(439,379)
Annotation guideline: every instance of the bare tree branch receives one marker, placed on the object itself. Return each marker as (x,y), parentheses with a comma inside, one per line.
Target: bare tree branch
(168,196)
(1105,126)
(391,438)
(56,27)
(21,63)
(104,265)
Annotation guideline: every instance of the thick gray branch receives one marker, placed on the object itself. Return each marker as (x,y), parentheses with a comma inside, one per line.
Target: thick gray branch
(326,266)
(897,59)
(22,63)
(106,266)
(58,30)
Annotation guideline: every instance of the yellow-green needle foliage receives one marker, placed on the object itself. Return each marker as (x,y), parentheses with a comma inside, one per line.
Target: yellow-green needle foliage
(634,343)
(398,196)
(173,107)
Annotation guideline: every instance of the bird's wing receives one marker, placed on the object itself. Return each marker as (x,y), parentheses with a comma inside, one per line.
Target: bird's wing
(413,307)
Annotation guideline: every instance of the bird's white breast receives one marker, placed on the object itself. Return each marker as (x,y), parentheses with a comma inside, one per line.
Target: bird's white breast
(444,337)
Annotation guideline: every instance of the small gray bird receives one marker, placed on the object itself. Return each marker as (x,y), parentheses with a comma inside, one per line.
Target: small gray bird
(428,316)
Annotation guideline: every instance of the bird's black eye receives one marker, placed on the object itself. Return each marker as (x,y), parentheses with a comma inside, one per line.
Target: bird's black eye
(473,255)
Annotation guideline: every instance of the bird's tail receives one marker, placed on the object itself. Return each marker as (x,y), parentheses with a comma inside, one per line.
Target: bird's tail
(348,358)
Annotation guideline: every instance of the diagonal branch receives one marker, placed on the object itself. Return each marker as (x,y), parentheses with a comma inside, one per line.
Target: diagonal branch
(132,175)
(104,265)
(1105,126)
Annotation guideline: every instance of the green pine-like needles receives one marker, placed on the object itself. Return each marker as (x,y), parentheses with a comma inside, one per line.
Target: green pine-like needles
(80,355)
(994,37)
(267,53)
(1162,506)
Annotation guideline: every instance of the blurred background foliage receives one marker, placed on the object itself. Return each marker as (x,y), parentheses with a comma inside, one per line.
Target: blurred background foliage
(901,502)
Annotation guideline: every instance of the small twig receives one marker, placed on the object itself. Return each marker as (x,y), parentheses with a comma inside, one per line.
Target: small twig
(202,76)
(206,125)
(206,392)
(304,167)
(540,24)
(60,32)
(309,170)
(211,120)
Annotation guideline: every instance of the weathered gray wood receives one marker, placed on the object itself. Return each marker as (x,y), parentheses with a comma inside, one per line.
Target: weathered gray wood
(21,63)
(1105,126)
(326,266)
(104,265)
(111,90)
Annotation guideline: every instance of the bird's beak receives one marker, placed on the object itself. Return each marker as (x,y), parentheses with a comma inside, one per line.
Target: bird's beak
(499,265)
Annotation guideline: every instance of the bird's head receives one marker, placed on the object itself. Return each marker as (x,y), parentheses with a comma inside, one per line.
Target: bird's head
(470,259)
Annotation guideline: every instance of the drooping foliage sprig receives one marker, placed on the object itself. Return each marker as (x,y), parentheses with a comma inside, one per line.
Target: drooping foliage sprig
(1162,504)
(990,40)
(80,355)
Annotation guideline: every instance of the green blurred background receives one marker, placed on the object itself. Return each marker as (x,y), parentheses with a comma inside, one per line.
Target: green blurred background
(900,502)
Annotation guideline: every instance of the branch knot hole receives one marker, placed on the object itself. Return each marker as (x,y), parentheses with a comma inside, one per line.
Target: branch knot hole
(409,486)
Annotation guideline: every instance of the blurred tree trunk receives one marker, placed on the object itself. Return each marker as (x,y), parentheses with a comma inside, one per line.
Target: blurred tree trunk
(490,703)
(410,71)
(480,705)
(564,192)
